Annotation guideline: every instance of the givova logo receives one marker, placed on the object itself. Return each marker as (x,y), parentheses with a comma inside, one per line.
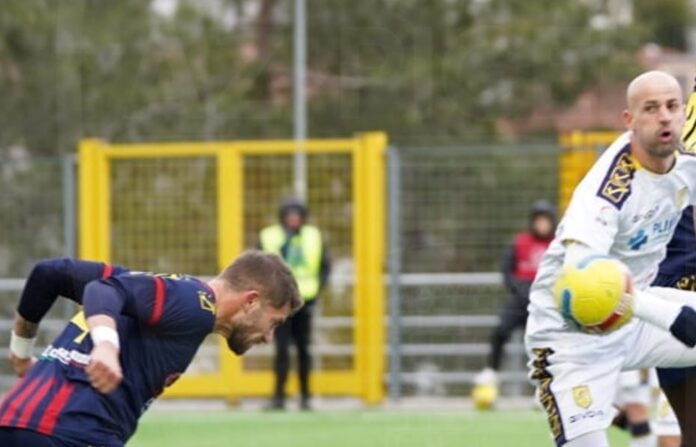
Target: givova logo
(638,239)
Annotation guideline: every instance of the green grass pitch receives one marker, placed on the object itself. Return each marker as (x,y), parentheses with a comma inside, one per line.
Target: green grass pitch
(372,428)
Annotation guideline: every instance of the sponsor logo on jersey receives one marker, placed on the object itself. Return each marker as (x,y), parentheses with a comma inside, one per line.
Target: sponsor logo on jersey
(604,215)
(582,396)
(591,414)
(66,357)
(616,186)
(666,226)
(647,216)
(638,239)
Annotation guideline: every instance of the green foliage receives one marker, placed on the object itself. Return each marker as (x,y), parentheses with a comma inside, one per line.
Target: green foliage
(416,68)
(666,21)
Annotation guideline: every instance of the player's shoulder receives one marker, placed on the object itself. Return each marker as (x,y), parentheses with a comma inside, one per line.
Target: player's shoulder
(168,285)
(612,177)
(190,289)
(183,284)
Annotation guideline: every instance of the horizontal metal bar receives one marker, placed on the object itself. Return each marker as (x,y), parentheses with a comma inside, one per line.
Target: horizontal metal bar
(407,350)
(422,321)
(455,349)
(451,279)
(459,377)
(11,284)
(405,279)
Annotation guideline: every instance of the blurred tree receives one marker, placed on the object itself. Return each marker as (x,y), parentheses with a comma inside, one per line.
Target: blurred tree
(438,68)
(417,68)
(666,21)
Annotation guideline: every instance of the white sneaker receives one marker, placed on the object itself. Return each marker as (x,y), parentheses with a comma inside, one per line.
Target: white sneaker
(487,376)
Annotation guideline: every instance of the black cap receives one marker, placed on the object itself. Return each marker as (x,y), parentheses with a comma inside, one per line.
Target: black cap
(542,207)
(292,205)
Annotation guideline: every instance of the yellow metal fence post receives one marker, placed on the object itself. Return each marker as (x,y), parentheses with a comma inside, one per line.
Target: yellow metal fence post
(230,198)
(94,202)
(582,149)
(369,238)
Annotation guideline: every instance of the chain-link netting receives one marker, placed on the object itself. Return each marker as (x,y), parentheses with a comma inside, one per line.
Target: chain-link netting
(32,227)
(164,214)
(460,209)
(268,181)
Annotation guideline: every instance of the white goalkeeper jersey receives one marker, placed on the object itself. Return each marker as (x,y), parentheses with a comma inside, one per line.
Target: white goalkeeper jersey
(619,209)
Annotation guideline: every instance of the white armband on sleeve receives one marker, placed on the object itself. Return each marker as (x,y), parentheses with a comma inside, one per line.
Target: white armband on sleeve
(21,347)
(104,333)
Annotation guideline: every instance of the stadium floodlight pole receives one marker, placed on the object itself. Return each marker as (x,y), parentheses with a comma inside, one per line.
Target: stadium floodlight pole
(300,100)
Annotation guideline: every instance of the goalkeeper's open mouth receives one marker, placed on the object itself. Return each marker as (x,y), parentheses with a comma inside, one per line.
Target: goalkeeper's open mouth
(666,136)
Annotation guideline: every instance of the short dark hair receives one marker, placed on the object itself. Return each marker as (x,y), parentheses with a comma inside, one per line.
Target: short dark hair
(267,273)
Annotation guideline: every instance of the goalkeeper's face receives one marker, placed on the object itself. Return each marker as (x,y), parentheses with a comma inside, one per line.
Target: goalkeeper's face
(656,115)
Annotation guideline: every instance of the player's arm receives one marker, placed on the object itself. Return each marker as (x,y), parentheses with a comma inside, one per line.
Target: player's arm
(48,279)
(507,267)
(103,301)
(104,368)
(144,298)
(590,224)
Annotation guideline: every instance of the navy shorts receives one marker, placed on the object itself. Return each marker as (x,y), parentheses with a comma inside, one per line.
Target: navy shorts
(18,437)
(674,376)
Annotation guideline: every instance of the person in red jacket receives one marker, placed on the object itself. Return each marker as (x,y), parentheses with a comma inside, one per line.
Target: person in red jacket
(519,268)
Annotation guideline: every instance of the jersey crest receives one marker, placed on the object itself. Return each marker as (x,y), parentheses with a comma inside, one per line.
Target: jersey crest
(206,302)
(616,186)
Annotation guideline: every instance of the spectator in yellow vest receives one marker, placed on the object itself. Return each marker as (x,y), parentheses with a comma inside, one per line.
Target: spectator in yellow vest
(303,249)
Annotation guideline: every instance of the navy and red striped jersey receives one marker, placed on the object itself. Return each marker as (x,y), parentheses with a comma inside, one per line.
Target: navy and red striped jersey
(163,321)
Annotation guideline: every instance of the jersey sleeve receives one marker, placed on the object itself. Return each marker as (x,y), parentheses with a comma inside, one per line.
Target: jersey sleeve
(590,220)
(689,131)
(166,305)
(65,277)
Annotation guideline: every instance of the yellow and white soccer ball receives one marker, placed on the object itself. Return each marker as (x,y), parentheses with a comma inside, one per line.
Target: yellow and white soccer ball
(484,396)
(595,294)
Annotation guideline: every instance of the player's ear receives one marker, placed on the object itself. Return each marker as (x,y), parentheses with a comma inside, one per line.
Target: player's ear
(251,299)
(627,118)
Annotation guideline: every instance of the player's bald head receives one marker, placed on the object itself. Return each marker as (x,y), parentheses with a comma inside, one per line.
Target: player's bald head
(648,84)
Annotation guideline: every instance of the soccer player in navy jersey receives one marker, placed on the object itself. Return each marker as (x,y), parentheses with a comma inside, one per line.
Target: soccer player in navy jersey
(135,335)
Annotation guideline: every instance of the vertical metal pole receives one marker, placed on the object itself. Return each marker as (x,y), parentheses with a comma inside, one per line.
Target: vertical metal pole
(300,99)
(394,181)
(68,169)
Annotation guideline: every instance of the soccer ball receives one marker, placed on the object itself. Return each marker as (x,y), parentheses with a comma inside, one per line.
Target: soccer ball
(595,294)
(484,396)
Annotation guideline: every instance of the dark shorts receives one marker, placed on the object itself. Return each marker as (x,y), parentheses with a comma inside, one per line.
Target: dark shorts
(674,376)
(18,437)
